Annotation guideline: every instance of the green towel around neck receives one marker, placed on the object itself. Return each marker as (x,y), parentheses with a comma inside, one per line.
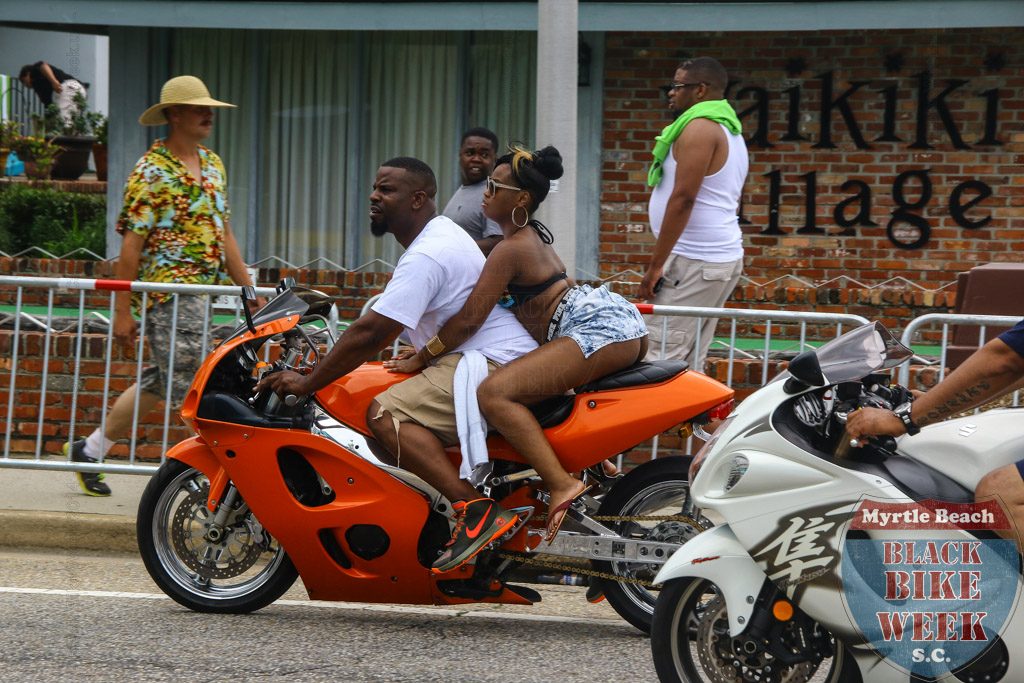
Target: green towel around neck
(719,111)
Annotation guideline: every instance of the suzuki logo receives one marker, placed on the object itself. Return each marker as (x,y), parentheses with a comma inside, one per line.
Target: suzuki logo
(967,430)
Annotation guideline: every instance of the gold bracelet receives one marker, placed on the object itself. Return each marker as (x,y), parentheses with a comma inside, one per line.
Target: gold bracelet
(435,347)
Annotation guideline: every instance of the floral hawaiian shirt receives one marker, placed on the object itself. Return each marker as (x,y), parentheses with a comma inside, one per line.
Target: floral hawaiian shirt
(181,218)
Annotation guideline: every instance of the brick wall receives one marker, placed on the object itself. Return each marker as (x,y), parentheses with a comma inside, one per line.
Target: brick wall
(890,85)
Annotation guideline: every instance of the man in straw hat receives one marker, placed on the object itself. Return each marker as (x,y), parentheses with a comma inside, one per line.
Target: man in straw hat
(175,225)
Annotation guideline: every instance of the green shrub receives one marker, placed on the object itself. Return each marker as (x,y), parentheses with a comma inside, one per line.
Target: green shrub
(59,222)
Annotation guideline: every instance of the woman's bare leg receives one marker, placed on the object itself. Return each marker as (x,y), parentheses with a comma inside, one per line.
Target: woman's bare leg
(548,371)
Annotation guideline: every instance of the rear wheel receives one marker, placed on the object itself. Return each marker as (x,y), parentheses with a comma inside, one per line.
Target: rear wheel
(657,488)
(234,569)
(690,643)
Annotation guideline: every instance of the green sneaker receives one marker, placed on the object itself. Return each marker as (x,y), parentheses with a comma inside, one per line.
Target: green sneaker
(479,522)
(91,482)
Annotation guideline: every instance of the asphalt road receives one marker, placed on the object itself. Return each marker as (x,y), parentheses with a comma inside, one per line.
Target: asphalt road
(92,617)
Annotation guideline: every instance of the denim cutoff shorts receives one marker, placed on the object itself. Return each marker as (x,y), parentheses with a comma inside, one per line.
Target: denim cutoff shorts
(594,318)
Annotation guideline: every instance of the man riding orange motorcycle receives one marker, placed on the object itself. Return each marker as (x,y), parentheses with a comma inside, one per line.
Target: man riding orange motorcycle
(415,419)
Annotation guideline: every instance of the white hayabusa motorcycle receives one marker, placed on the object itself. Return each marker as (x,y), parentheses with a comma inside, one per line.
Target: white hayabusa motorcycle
(832,560)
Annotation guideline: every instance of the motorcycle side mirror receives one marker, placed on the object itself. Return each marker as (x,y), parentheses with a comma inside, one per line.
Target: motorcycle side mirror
(285,284)
(805,371)
(248,294)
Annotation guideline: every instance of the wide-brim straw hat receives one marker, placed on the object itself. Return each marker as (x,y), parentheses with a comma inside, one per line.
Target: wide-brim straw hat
(180,90)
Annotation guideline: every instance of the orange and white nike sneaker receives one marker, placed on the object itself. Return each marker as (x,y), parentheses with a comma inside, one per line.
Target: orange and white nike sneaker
(479,522)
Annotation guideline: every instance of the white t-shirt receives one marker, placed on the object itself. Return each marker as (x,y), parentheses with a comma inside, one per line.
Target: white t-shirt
(431,283)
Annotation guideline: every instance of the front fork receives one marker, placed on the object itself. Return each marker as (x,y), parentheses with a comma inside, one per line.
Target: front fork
(221,513)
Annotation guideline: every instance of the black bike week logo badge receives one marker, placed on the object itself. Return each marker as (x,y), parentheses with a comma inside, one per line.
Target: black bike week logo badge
(927,593)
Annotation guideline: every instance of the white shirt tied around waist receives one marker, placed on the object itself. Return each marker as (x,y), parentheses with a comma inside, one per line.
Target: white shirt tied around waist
(713,231)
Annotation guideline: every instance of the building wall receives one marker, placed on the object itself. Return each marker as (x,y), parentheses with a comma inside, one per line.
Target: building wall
(920,141)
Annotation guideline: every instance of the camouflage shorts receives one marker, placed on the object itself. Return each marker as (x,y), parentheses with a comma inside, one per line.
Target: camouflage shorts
(188,346)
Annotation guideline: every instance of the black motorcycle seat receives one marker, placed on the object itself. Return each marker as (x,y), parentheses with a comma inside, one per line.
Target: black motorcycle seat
(553,411)
(636,375)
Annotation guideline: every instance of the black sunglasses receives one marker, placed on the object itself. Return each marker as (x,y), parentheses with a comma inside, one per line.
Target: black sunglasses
(676,86)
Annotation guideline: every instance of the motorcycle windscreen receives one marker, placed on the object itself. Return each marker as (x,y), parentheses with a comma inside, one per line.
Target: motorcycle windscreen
(860,352)
(283,305)
(929,584)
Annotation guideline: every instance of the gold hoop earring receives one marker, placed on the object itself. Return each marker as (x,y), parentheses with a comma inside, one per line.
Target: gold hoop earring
(525,220)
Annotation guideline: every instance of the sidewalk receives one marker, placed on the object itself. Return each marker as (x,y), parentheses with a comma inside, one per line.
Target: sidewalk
(46,509)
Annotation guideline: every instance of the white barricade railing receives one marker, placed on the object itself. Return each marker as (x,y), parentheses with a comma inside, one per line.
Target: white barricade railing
(734,315)
(53,286)
(982,322)
(768,317)
(34,459)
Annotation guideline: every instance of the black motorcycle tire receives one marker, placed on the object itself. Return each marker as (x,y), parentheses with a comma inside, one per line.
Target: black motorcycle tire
(672,634)
(171,573)
(663,476)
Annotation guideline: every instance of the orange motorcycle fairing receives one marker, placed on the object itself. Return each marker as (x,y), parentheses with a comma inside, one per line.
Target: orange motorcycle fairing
(348,398)
(606,423)
(602,424)
(314,536)
(318,536)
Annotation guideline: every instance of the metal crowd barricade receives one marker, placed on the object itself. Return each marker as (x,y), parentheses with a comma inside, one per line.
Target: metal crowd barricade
(80,315)
(932,319)
(768,317)
(734,315)
(53,286)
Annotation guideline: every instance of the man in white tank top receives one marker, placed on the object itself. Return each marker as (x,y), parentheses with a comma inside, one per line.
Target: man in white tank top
(700,167)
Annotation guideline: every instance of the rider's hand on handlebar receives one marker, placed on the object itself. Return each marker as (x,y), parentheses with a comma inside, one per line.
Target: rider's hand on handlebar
(873,422)
(283,383)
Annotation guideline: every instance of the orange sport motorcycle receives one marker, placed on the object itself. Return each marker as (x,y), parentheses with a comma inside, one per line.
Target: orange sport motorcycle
(269,489)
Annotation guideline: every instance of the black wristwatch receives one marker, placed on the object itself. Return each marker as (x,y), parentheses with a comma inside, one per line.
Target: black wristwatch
(902,411)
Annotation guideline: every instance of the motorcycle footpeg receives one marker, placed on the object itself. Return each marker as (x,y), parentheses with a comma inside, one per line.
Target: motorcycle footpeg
(525,513)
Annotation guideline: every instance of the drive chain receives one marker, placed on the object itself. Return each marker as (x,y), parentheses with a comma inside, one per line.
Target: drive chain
(536,560)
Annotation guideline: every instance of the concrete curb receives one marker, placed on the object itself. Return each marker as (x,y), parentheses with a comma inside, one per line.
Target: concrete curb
(67,531)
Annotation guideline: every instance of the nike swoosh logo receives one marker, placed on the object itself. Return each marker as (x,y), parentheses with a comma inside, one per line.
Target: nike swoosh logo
(475,531)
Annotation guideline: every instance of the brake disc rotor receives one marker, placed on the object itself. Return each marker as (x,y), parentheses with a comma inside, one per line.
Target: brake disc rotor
(725,662)
(236,552)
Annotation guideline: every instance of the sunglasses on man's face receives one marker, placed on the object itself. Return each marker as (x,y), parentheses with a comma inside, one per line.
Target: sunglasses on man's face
(677,86)
(493,186)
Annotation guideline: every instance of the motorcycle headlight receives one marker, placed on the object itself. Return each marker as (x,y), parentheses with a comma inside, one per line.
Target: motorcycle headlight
(698,460)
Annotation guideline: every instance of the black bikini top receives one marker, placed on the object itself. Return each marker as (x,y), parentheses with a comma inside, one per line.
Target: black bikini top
(517,295)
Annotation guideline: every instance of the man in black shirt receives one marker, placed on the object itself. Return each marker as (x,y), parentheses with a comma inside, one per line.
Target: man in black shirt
(48,80)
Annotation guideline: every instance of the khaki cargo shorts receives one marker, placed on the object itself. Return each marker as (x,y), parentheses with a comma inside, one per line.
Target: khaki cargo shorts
(428,399)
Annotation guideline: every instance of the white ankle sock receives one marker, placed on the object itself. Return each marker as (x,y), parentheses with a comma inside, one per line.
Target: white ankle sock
(97,445)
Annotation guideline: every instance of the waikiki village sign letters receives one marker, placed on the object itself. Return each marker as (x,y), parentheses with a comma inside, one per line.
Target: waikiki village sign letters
(912,189)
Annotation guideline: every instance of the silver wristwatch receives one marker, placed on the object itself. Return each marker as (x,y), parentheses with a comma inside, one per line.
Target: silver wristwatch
(902,411)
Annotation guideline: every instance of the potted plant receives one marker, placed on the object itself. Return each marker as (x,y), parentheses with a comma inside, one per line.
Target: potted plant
(38,153)
(98,122)
(9,132)
(72,136)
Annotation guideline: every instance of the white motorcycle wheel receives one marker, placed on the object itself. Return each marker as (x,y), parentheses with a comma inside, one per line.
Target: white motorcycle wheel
(243,571)
(656,488)
(690,631)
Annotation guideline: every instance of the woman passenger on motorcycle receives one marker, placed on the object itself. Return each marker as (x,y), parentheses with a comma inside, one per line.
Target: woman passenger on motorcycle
(584,333)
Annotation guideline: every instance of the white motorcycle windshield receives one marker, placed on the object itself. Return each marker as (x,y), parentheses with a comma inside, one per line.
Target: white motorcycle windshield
(860,352)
